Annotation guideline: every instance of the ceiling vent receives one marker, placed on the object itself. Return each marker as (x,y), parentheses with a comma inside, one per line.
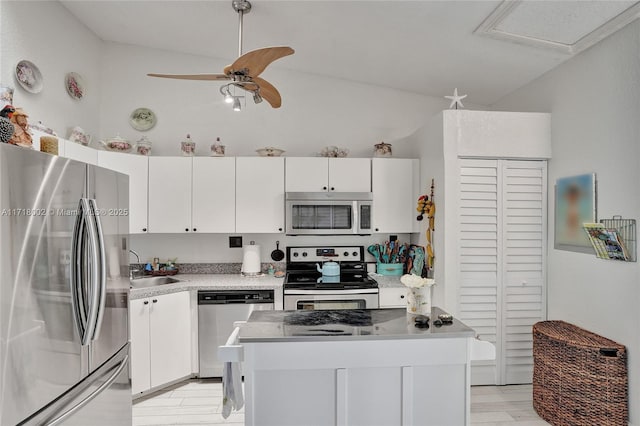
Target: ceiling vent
(564,26)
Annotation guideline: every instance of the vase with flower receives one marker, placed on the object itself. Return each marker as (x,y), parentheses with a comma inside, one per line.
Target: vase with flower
(418,293)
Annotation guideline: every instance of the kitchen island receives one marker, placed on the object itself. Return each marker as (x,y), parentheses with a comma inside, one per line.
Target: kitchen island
(356,367)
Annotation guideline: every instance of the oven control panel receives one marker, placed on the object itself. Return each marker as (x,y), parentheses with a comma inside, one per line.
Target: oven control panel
(327,253)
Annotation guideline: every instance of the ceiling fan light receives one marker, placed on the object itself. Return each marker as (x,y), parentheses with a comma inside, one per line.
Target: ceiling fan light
(256,97)
(236,104)
(228,98)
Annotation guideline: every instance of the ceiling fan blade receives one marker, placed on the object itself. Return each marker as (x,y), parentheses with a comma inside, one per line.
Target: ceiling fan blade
(257,60)
(193,76)
(268,92)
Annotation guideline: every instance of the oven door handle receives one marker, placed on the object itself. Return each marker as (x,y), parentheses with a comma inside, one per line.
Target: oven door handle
(333,291)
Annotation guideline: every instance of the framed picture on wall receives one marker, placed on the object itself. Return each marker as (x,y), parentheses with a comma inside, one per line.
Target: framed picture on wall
(575,204)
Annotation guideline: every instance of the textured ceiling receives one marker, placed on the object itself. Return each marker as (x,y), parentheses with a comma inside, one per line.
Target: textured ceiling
(427,47)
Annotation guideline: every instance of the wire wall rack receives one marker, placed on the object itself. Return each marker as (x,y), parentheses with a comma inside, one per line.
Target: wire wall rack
(626,229)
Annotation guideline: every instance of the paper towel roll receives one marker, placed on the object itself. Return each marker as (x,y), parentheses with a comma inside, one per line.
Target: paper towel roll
(114,262)
(251,260)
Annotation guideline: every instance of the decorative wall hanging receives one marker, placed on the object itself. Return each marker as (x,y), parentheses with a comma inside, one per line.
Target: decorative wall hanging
(142,119)
(575,204)
(29,76)
(6,96)
(74,84)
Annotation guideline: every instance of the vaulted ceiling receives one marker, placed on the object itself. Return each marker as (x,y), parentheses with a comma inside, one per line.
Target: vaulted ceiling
(486,49)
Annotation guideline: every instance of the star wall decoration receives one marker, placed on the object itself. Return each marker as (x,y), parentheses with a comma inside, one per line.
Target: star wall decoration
(455,99)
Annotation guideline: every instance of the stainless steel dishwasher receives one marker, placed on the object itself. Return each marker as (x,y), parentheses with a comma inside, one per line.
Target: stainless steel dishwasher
(217,311)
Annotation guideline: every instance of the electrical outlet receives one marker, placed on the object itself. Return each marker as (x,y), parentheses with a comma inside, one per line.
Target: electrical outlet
(393,237)
(235,242)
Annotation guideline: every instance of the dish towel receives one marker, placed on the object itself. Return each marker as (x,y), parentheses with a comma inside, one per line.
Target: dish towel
(232,398)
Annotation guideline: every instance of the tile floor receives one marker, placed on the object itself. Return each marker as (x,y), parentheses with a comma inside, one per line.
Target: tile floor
(199,402)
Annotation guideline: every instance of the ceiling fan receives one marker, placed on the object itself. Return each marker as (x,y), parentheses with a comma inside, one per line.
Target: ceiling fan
(244,71)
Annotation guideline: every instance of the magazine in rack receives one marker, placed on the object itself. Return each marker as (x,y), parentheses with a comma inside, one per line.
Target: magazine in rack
(606,242)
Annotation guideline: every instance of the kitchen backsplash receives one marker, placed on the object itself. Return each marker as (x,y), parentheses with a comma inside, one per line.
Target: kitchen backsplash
(213,249)
(216,268)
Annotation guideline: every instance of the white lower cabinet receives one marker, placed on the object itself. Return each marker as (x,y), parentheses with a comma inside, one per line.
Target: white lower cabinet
(392,297)
(358,382)
(160,340)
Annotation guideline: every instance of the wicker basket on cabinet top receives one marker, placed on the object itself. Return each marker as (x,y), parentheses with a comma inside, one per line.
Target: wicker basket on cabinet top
(579,377)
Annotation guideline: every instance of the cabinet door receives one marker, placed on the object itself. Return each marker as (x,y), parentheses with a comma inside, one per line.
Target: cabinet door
(214,194)
(350,174)
(260,194)
(75,151)
(170,337)
(306,174)
(395,187)
(137,167)
(392,297)
(140,354)
(169,194)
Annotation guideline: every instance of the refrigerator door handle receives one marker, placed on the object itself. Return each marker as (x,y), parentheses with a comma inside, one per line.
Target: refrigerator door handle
(94,273)
(100,265)
(64,416)
(78,244)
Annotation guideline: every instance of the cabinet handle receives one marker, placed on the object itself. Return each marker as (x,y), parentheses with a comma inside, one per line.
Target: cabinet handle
(332,188)
(324,188)
(402,296)
(194,229)
(377,229)
(144,229)
(155,300)
(146,302)
(186,229)
(280,229)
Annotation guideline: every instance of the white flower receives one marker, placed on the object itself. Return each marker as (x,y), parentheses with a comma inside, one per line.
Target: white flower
(415,281)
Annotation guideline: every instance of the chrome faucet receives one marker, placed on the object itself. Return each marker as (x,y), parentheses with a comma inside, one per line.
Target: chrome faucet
(132,271)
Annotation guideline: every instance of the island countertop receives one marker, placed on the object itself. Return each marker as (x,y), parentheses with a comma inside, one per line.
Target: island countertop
(347,324)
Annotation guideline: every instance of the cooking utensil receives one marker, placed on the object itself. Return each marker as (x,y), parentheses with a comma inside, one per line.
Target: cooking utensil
(375,251)
(277,254)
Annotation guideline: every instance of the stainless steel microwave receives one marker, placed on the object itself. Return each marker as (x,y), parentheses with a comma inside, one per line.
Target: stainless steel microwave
(328,213)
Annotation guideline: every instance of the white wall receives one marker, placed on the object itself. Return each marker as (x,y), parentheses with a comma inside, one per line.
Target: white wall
(46,34)
(316,111)
(594,99)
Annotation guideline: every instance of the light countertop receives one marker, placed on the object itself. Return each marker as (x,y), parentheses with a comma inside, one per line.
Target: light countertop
(209,282)
(341,325)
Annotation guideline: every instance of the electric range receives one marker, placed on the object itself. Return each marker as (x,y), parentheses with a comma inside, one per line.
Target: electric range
(303,286)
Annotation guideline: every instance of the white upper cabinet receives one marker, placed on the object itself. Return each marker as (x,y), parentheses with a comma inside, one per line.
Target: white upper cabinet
(307,174)
(260,194)
(170,194)
(316,174)
(214,194)
(395,187)
(350,174)
(75,151)
(137,167)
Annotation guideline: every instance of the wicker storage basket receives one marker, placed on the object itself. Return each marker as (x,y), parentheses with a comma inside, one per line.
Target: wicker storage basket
(579,378)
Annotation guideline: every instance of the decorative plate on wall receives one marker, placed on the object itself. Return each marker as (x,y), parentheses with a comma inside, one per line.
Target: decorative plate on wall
(29,76)
(142,119)
(74,84)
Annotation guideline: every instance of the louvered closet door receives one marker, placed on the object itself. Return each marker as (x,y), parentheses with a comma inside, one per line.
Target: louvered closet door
(524,259)
(478,274)
(501,276)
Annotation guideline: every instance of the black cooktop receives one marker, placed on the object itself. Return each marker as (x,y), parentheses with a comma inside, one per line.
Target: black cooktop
(313,280)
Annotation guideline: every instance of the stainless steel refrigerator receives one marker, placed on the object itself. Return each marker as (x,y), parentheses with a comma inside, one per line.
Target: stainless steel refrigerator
(63,292)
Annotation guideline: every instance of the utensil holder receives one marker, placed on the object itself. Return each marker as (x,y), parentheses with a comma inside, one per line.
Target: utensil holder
(390,269)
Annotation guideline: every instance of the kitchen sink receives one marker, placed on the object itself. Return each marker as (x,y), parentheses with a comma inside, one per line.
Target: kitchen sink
(152,281)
